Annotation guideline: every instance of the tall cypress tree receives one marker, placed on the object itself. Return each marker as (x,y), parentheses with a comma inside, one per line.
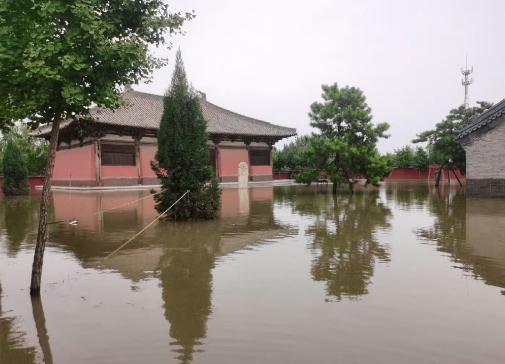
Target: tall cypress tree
(15,171)
(182,160)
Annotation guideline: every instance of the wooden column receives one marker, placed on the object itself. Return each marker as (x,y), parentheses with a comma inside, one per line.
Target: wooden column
(98,163)
(216,156)
(137,160)
(247,145)
(271,148)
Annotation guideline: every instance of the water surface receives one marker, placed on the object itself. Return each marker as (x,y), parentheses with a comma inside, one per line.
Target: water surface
(285,275)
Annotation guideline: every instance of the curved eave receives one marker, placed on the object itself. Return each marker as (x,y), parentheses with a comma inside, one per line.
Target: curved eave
(482,121)
(123,129)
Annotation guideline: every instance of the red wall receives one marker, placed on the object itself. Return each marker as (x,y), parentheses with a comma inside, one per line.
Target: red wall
(109,172)
(229,159)
(407,173)
(76,164)
(399,174)
(282,175)
(147,154)
(260,171)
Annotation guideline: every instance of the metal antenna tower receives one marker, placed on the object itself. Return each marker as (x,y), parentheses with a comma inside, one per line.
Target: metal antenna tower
(466,81)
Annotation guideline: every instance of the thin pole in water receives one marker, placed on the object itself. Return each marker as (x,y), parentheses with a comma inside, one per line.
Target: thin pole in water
(127,203)
(146,227)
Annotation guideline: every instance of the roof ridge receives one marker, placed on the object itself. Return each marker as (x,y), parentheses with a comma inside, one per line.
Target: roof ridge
(247,117)
(223,109)
(144,110)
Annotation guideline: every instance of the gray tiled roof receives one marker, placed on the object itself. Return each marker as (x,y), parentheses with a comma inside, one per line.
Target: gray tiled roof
(483,119)
(143,110)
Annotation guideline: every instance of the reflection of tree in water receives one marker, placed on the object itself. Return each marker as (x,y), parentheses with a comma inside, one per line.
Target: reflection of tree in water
(407,196)
(186,280)
(20,216)
(11,343)
(449,232)
(344,239)
(186,268)
(449,227)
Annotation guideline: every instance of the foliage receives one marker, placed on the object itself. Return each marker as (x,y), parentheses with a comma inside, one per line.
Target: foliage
(33,150)
(407,157)
(58,57)
(346,147)
(15,172)
(403,157)
(441,139)
(421,159)
(182,157)
(290,157)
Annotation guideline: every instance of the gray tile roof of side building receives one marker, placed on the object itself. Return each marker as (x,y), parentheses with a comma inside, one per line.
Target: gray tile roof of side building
(143,110)
(482,120)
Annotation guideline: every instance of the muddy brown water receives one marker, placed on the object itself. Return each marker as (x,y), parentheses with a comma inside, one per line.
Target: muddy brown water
(404,274)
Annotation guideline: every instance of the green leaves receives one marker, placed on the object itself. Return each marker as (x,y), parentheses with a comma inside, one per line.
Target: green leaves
(14,171)
(59,57)
(291,156)
(346,147)
(441,140)
(183,155)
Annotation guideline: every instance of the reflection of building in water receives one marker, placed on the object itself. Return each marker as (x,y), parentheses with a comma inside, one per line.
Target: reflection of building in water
(245,220)
(12,348)
(344,242)
(472,231)
(181,254)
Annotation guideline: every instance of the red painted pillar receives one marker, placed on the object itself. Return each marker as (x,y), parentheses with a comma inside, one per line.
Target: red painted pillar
(217,157)
(137,160)
(98,163)
(247,144)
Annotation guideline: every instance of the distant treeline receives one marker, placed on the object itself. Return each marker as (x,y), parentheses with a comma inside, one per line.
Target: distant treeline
(291,156)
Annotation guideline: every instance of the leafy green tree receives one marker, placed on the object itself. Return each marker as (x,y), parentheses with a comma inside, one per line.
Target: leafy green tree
(33,150)
(346,147)
(421,160)
(403,157)
(59,57)
(290,157)
(14,170)
(407,157)
(441,140)
(183,154)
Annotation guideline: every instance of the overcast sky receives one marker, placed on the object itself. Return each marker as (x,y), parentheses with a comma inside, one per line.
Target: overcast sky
(268,58)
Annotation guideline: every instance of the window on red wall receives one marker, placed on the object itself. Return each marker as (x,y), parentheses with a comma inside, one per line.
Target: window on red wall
(118,155)
(259,157)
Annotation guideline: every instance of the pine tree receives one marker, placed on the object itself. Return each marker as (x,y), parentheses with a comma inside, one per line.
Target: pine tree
(15,171)
(346,147)
(182,160)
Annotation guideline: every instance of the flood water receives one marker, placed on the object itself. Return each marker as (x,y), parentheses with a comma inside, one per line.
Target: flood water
(404,274)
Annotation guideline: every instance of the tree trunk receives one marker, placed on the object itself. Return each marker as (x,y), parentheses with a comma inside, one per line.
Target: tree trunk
(456,175)
(38,257)
(334,188)
(40,325)
(439,174)
(351,187)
